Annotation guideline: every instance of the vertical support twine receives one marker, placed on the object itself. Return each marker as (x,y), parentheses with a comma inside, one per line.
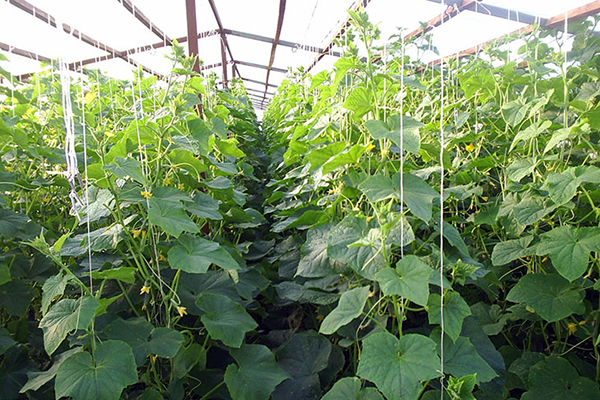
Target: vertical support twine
(85,185)
(441,221)
(402,150)
(564,67)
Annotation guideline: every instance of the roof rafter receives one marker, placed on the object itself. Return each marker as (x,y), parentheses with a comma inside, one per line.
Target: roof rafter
(140,16)
(258,82)
(224,37)
(450,12)
(285,43)
(357,6)
(260,66)
(23,53)
(50,20)
(280,17)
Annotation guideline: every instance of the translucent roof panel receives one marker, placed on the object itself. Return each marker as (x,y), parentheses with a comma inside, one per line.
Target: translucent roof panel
(314,22)
(389,15)
(258,17)
(92,17)
(115,68)
(19,29)
(170,16)
(470,29)
(18,65)
(542,8)
(250,50)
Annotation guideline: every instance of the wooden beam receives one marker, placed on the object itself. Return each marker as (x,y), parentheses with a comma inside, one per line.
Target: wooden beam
(135,11)
(275,42)
(575,14)
(23,53)
(450,12)
(342,29)
(50,20)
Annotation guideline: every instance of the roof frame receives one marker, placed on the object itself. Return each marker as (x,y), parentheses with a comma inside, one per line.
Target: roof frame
(280,17)
(140,16)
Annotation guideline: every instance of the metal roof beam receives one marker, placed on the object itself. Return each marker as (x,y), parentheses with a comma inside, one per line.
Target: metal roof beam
(584,11)
(258,82)
(50,20)
(140,16)
(260,66)
(259,91)
(450,12)
(275,41)
(357,6)
(23,53)
(285,43)
(504,13)
(224,37)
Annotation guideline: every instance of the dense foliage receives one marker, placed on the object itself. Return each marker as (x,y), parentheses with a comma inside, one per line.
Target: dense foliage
(210,257)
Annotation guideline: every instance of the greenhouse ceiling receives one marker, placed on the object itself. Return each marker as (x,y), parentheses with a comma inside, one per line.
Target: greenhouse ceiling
(257,41)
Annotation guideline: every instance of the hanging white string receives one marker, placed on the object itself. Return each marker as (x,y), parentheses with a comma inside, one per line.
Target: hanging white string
(441,221)
(402,149)
(566,90)
(85,183)
(70,154)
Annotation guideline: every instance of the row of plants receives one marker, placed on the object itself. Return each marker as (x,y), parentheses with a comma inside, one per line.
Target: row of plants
(209,256)
(357,164)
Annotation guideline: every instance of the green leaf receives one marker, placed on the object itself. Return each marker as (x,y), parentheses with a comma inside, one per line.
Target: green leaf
(349,156)
(359,101)
(410,279)
(11,222)
(204,206)
(194,255)
(64,317)
(531,132)
(455,312)
(4,274)
(322,155)
(365,260)
(505,252)
(349,389)
(408,136)
(557,137)
(6,341)
(562,187)
(588,91)
(144,338)
(531,209)
(304,357)
(123,274)
(569,249)
(126,167)
(52,288)
(256,375)
(185,159)
(225,319)
(551,296)
(555,378)
(229,147)
(378,188)
(514,111)
(171,217)
(102,377)
(418,195)
(38,379)
(314,262)
(219,183)
(397,367)
(462,389)
(520,168)
(461,359)
(350,306)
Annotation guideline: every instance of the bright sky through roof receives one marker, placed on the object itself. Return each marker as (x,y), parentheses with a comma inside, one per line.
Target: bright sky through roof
(306,22)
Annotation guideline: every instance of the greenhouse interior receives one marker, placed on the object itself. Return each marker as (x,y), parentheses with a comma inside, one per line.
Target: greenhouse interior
(300,199)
